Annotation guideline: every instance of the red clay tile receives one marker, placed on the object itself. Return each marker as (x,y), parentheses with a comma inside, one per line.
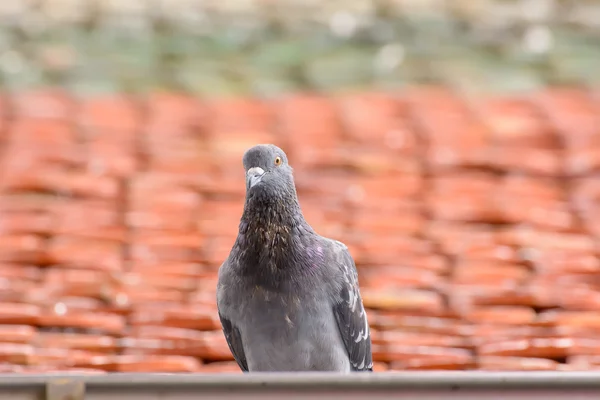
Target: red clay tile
(148,363)
(110,113)
(36,203)
(102,218)
(220,218)
(48,139)
(17,333)
(234,114)
(414,300)
(135,346)
(166,333)
(14,353)
(489,295)
(503,363)
(7,368)
(516,122)
(165,247)
(331,189)
(20,272)
(44,103)
(454,138)
(493,332)
(459,145)
(465,197)
(541,203)
(72,251)
(158,280)
(170,109)
(530,237)
(76,341)
(380,366)
(103,322)
(402,186)
(63,358)
(579,298)
(374,161)
(386,250)
(115,158)
(136,212)
(203,298)
(309,116)
(584,362)
(217,249)
(378,118)
(74,277)
(385,222)
(182,269)
(83,184)
(42,369)
(546,162)
(175,315)
(22,249)
(66,303)
(128,296)
(5,114)
(160,340)
(382,277)
(409,338)
(585,346)
(231,146)
(311,128)
(25,222)
(326,219)
(482,272)
(572,319)
(229,367)
(435,363)
(553,348)
(564,261)
(215,347)
(403,354)
(431,262)
(582,161)
(184,157)
(502,315)
(572,114)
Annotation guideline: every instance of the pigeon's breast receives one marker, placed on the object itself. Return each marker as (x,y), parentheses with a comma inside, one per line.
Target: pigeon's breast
(291,333)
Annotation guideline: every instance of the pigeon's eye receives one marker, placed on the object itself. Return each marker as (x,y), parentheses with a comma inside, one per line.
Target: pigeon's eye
(278,160)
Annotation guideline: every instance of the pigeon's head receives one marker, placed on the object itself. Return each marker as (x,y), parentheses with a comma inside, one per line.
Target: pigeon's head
(268,171)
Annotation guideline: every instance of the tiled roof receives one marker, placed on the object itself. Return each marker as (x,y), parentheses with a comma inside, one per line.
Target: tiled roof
(472,222)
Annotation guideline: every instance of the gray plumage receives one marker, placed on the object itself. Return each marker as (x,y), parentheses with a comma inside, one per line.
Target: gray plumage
(288,299)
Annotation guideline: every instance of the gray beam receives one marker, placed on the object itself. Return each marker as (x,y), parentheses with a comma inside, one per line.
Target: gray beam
(406,385)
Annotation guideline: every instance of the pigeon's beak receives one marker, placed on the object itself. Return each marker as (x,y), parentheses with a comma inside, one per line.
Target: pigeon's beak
(254,176)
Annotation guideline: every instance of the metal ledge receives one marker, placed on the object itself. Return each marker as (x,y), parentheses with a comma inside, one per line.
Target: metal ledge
(405,385)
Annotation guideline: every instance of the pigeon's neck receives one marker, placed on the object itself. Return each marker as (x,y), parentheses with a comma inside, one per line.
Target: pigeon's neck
(266,209)
(271,233)
(266,217)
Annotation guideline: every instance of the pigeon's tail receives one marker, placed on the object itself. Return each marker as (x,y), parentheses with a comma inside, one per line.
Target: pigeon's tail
(363,370)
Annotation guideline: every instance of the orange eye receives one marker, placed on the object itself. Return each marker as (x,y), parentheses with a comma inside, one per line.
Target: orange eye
(278,160)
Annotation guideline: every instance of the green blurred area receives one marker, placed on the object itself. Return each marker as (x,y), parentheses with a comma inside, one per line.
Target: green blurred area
(269,48)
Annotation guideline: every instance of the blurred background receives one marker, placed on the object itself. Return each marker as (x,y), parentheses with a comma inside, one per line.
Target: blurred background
(452,145)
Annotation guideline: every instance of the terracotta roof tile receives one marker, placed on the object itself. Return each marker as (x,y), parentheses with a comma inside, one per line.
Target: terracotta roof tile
(469,219)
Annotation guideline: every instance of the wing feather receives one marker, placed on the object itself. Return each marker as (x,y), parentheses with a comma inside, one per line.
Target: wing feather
(234,341)
(350,313)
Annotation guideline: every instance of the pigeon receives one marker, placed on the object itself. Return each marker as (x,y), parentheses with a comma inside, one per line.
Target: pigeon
(288,299)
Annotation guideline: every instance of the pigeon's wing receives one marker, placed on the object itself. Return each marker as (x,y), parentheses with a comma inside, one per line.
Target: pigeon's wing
(350,313)
(234,341)
(231,332)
